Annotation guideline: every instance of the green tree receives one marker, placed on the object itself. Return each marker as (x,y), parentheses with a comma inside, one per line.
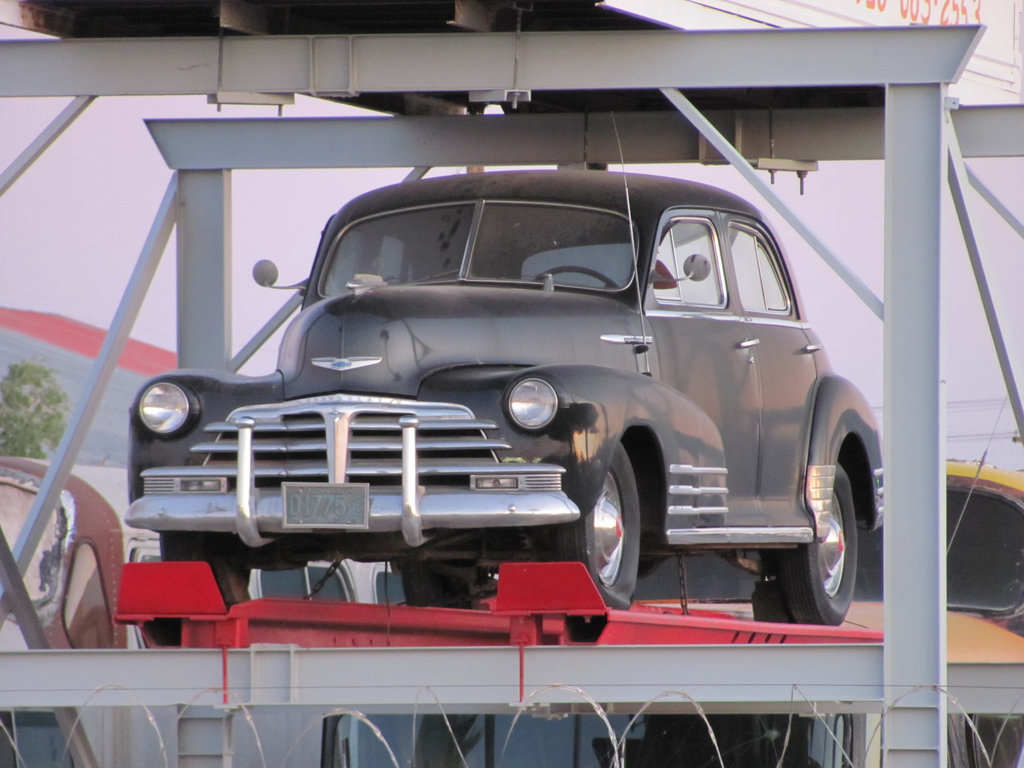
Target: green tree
(33,410)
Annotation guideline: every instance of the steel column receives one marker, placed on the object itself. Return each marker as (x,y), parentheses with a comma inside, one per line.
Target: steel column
(204,269)
(914,436)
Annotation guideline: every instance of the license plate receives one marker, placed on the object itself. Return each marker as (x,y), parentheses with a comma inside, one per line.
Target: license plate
(323,505)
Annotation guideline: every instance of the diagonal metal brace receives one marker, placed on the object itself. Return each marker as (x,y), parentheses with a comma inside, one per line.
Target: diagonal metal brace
(730,153)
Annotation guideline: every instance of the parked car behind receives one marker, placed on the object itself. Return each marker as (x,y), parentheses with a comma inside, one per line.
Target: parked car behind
(591,366)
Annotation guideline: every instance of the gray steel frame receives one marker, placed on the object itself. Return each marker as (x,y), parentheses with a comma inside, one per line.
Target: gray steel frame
(909,675)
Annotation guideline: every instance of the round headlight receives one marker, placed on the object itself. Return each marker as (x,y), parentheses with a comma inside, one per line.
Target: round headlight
(532,403)
(164,408)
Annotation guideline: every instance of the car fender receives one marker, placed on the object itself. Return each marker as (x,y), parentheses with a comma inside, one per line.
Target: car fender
(844,431)
(598,408)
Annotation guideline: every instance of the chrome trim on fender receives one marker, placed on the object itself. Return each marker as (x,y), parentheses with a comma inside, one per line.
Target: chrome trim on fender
(741,536)
(818,487)
(685,511)
(690,469)
(704,499)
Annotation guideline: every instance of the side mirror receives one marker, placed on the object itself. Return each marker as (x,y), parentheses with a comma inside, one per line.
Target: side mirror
(696,267)
(264,272)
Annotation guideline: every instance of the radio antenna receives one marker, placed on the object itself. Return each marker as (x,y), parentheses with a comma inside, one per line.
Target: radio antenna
(643,346)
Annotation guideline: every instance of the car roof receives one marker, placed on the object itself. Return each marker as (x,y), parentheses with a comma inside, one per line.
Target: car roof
(648,195)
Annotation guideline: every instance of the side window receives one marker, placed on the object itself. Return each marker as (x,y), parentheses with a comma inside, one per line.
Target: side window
(757,272)
(686,265)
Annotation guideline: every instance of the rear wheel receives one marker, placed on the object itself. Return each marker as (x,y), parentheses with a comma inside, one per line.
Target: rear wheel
(223,551)
(817,579)
(607,537)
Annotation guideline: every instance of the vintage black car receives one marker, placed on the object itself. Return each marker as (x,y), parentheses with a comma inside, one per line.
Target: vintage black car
(563,365)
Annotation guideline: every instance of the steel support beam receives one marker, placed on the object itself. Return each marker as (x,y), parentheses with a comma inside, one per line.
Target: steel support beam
(42,142)
(779,678)
(103,369)
(958,183)
(797,678)
(854,133)
(738,162)
(993,131)
(268,329)
(204,269)
(348,65)
(997,205)
(914,435)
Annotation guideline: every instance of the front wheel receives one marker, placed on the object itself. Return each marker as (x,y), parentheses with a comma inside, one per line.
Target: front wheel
(607,537)
(817,579)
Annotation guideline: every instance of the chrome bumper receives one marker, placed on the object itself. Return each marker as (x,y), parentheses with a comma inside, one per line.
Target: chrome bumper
(437,508)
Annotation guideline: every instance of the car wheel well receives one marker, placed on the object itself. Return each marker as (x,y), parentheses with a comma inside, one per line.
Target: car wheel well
(853,459)
(646,457)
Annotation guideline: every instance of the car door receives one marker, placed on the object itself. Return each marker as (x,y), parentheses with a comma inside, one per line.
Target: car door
(784,359)
(700,349)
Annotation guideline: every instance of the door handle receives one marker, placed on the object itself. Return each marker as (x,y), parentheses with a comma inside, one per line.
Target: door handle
(748,344)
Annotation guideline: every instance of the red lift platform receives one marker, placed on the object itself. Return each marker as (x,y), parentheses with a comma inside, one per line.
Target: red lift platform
(178,604)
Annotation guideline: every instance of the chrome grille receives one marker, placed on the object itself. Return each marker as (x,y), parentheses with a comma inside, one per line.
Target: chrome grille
(299,440)
(283,450)
(160,485)
(344,438)
(541,482)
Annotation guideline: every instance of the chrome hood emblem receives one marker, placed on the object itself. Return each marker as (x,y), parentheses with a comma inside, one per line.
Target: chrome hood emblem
(342,364)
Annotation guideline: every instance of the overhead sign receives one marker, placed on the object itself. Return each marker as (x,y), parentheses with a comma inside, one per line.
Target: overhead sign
(993,74)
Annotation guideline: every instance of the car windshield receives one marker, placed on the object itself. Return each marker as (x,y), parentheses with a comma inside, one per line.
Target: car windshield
(511,242)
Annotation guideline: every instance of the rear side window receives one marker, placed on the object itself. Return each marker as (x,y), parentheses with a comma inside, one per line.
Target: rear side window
(758,275)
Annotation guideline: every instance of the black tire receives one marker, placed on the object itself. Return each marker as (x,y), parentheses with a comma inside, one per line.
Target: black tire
(817,579)
(223,551)
(606,538)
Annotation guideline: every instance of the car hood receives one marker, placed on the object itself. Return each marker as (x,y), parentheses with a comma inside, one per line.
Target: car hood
(417,330)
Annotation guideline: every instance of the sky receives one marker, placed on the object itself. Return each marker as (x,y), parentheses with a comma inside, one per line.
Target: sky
(71,230)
